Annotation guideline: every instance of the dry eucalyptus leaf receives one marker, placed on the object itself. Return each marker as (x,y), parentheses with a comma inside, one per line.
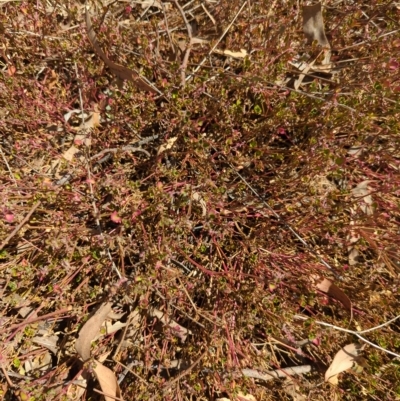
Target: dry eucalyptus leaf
(241,54)
(108,382)
(91,122)
(343,360)
(90,330)
(362,191)
(149,3)
(77,389)
(353,256)
(168,145)
(178,330)
(49,342)
(292,388)
(39,362)
(70,153)
(313,25)
(120,71)
(331,289)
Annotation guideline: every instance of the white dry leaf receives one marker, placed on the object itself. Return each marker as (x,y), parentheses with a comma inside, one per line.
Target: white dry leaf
(68,115)
(353,256)
(362,192)
(197,197)
(149,3)
(356,151)
(49,342)
(108,382)
(90,330)
(110,328)
(240,397)
(77,389)
(39,362)
(245,397)
(70,153)
(241,54)
(168,145)
(343,360)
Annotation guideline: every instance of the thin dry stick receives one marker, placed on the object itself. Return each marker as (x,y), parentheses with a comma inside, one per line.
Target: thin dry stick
(128,369)
(8,166)
(108,395)
(123,149)
(184,373)
(357,333)
(188,47)
(10,383)
(217,43)
(19,226)
(36,319)
(276,374)
(95,210)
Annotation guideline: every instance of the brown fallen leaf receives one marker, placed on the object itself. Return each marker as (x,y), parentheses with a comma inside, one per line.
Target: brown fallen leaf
(331,289)
(90,330)
(313,25)
(343,360)
(119,70)
(108,382)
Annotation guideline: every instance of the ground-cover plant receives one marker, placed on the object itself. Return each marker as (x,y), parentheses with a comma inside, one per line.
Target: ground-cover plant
(197,202)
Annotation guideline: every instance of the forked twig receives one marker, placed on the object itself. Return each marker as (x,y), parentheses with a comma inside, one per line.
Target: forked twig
(357,333)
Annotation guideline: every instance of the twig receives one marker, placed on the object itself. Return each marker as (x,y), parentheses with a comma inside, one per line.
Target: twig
(188,47)
(357,333)
(218,41)
(35,319)
(276,374)
(184,373)
(123,149)
(8,166)
(16,229)
(10,383)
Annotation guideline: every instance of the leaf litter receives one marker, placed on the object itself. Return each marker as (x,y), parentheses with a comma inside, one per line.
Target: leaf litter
(183,229)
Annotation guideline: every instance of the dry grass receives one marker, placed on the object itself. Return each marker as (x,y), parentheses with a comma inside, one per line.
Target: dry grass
(164,223)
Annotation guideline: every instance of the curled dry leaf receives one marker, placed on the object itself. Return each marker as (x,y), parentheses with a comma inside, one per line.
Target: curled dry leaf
(343,360)
(331,289)
(119,70)
(108,382)
(178,330)
(90,330)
